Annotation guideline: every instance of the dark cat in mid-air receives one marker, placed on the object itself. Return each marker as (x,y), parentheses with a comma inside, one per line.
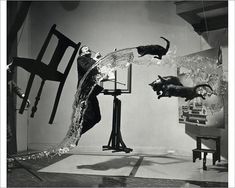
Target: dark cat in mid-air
(157,85)
(168,86)
(156,50)
(188,93)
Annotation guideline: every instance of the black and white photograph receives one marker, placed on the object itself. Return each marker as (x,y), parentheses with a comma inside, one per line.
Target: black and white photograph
(117,93)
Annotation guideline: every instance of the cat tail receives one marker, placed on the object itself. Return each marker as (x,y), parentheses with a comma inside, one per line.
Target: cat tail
(203,85)
(167,43)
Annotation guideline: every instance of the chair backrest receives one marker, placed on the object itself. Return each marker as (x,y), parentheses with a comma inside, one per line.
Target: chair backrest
(62,45)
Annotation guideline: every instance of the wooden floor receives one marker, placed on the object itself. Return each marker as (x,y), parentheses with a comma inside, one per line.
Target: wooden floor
(20,177)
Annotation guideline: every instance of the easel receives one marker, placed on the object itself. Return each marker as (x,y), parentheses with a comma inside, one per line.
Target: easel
(115,141)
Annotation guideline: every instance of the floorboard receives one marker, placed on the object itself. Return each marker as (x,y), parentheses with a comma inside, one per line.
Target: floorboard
(19,177)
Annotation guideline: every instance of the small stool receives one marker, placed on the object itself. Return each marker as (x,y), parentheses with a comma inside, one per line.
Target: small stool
(215,152)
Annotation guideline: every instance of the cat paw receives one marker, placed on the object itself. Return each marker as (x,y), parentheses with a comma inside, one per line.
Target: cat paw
(158,57)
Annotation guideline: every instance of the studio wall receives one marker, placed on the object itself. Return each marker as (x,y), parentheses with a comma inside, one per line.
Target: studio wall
(148,125)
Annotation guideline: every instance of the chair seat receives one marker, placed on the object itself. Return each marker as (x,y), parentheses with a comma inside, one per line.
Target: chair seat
(208,137)
(39,68)
(205,150)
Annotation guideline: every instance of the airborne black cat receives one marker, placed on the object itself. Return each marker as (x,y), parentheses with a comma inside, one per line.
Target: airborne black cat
(157,85)
(188,93)
(156,50)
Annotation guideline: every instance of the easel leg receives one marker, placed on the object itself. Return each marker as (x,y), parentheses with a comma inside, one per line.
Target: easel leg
(115,142)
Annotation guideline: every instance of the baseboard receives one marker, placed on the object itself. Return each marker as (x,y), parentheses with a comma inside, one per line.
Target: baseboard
(98,150)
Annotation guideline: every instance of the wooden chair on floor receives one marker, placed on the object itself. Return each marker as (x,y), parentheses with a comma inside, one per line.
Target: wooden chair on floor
(215,152)
(47,71)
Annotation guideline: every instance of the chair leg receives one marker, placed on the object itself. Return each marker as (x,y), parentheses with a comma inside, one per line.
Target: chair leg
(196,154)
(59,91)
(28,88)
(214,158)
(204,161)
(34,108)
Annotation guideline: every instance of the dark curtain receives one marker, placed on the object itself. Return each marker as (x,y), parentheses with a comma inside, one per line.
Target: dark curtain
(16,14)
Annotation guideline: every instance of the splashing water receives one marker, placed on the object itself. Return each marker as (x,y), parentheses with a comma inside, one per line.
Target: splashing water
(201,69)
